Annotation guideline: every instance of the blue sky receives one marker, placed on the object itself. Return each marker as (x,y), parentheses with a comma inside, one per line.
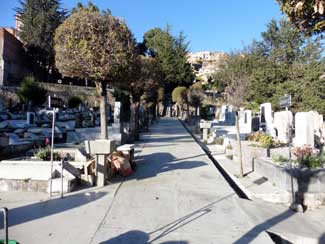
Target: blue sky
(214,25)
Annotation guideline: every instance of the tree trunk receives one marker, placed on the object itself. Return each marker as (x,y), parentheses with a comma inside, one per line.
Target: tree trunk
(103,111)
(188,119)
(134,119)
(154,112)
(157,111)
(240,156)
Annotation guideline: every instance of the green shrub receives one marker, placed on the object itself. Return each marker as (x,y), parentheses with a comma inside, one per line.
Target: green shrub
(229,147)
(263,139)
(279,159)
(219,141)
(45,154)
(309,157)
(30,91)
(266,141)
(311,162)
(204,112)
(254,106)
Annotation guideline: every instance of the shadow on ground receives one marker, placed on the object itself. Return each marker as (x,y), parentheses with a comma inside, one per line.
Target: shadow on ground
(43,209)
(162,163)
(136,237)
(140,237)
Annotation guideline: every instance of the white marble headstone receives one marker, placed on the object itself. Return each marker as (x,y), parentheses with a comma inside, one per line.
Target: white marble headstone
(117,111)
(245,121)
(266,119)
(223,113)
(304,129)
(282,121)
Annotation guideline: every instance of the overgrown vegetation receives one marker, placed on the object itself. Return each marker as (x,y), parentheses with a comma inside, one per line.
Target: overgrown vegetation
(45,154)
(262,138)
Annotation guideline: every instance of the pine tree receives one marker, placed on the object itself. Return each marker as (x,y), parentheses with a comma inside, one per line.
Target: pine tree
(171,53)
(39,19)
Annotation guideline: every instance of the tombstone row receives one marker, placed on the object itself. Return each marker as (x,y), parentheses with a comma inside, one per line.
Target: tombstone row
(308,126)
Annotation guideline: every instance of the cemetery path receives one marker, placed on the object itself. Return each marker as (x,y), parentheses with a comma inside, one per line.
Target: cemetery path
(176,196)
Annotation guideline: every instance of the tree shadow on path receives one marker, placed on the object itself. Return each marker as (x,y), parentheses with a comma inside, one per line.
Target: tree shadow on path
(136,237)
(158,163)
(140,237)
(50,207)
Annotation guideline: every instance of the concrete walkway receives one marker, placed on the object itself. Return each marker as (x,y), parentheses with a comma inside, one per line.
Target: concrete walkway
(176,196)
(294,227)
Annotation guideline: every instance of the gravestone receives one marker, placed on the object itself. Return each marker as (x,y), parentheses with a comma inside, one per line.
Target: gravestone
(255,123)
(226,143)
(212,137)
(31,118)
(245,121)
(241,119)
(205,126)
(117,111)
(266,120)
(318,121)
(304,129)
(282,121)
(230,118)
(223,111)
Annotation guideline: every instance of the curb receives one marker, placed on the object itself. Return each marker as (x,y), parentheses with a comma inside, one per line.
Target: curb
(234,183)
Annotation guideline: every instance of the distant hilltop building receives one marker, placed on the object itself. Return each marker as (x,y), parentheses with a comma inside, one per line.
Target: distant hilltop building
(205,64)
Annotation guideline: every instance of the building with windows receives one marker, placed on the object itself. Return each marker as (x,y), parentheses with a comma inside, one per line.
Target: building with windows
(206,63)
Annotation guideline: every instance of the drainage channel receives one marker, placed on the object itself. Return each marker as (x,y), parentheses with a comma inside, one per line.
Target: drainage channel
(240,193)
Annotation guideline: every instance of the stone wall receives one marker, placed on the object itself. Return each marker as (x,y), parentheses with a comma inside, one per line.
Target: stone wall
(250,152)
(308,184)
(23,185)
(87,94)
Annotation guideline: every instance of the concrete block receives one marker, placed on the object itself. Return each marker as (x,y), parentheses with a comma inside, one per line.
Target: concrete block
(68,185)
(100,146)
